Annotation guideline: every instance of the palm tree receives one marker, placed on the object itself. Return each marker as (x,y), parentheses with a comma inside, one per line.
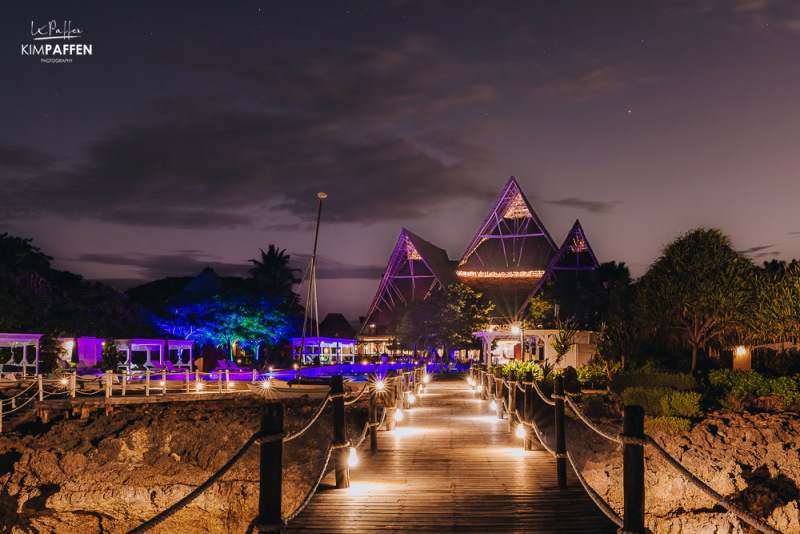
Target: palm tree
(273,273)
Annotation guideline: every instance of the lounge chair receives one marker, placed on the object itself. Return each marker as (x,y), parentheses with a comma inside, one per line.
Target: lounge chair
(225,365)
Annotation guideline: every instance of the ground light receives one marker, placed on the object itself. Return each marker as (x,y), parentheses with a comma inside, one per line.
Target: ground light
(353,460)
(379,385)
(64,381)
(230,385)
(480,388)
(398,415)
(493,405)
(426,379)
(265,384)
(411,398)
(199,386)
(162,383)
(520,431)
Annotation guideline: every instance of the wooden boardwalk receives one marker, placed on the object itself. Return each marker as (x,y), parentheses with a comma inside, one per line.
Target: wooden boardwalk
(452,467)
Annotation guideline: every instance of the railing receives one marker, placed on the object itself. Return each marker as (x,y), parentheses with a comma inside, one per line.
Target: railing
(492,386)
(398,391)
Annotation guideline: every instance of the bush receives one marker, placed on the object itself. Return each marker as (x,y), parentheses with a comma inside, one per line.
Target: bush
(570,377)
(751,383)
(667,425)
(521,368)
(593,375)
(592,405)
(647,398)
(110,356)
(681,404)
(679,381)
(734,402)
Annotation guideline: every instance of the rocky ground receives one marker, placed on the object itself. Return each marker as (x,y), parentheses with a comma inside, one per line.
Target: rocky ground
(750,458)
(110,473)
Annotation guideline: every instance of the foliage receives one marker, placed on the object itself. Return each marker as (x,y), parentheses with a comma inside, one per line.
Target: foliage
(592,405)
(681,404)
(733,402)
(564,340)
(110,356)
(668,425)
(540,313)
(698,288)
(521,368)
(50,349)
(593,375)
(625,380)
(570,380)
(648,398)
(273,273)
(446,318)
(751,383)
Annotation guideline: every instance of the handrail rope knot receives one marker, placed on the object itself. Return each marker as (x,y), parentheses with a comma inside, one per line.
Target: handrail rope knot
(280,436)
(337,395)
(342,446)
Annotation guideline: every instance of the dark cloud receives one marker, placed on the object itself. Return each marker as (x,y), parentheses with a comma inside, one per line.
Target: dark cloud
(20,158)
(331,269)
(762,251)
(594,206)
(323,122)
(755,16)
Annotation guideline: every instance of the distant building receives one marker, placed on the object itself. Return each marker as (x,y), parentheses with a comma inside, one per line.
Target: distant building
(508,260)
(336,342)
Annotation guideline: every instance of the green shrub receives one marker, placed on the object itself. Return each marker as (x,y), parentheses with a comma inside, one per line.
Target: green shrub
(753,384)
(681,404)
(646,397)
(570,378)
(679,381)
(593,375)
(110,356)
(734,402)
(592,405)
(521,368)
(667,425)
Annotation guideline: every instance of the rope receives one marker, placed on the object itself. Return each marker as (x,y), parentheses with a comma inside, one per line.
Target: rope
(611,437)
(520,387)
(710,493)
(175,508)
(348,403)
(606,509)
(542,395)
(314,417)
(20,406)
(21,392)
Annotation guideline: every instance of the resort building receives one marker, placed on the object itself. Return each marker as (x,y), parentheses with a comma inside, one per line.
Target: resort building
(508,260)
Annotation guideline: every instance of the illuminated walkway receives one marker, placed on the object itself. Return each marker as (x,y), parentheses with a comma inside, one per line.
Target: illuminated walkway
(452,467)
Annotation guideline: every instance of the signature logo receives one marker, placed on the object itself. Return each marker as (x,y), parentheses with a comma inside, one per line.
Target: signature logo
(52,31)
(56,52)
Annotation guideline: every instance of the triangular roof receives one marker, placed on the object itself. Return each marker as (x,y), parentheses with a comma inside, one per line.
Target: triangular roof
(206,285)
(574,255)
(336,326)
(414,269)
(511,238)
(509,254)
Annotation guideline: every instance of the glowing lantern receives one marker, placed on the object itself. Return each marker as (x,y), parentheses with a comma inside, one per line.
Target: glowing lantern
(520,431)
(353,460)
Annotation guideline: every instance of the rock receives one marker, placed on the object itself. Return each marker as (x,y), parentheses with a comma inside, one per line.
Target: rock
(751,459)
(111,473)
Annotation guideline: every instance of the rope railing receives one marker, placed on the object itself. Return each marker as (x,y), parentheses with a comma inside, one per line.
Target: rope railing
(271,439)
(635,438)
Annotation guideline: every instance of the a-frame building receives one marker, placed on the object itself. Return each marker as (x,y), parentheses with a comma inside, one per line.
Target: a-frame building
(574,257)
(415,268)
(509,255)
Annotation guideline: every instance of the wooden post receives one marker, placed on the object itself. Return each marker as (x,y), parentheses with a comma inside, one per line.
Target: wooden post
(391,400)
(528,411)
(269,497)
(41,391)
(1,416)
(187,380)
(373,412)
(108,384)
(254,376)
(498,394)
(342,454)
(147,383)
(406,379)
(124,381)
(74,381)
(512,401)
(633,470)
(486,394)
(227,379)
(219,381)
(561,439)
(163,382)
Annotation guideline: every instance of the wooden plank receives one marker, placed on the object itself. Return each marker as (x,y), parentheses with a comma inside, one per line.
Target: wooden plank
(451,466)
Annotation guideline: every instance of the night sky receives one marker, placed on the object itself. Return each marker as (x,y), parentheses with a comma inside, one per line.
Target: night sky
(197,132)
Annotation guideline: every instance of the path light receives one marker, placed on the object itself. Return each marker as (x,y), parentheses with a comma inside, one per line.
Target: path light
(63,381)
(379,385)
(411,398)
(398,415)
(353,460)
(480,388)
(493,405)
(427,378)
(230,385)
(265,384)
(163,383)
(520,431)
(199,386)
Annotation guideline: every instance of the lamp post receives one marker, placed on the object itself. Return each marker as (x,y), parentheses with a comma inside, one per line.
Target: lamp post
(518,329)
